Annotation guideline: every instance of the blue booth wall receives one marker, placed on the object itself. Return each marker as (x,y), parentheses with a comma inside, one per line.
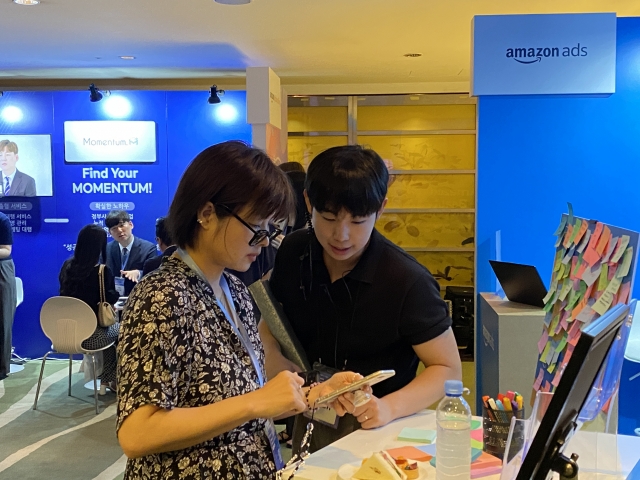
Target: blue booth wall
(185,125)
(536,153)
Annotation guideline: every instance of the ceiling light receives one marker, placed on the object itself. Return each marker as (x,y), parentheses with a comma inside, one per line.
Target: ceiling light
(233,2)
(127,57)
(412,55)
(213,97)
(26,2)
(95,95)
(414,97)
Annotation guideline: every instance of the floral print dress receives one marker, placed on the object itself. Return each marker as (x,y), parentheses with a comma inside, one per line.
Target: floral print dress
(177,350)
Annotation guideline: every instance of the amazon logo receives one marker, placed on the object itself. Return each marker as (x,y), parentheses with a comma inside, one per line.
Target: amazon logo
(536,54)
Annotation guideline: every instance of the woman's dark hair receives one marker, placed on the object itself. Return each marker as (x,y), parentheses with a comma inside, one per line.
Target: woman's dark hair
(90,247)
(287,167)
(297,183)
(233,174)
(352,177)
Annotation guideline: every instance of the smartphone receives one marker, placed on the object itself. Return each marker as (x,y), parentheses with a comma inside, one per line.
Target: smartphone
(372,379)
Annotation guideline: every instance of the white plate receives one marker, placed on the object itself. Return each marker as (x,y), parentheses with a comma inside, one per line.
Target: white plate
(346,471)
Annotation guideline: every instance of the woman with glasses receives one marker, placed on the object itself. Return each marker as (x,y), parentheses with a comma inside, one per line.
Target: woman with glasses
(193,397)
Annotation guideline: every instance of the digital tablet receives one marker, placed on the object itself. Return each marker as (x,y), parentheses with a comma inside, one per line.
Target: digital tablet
(372,379)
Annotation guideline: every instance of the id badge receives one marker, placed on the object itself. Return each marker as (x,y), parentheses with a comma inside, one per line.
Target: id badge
(119,285)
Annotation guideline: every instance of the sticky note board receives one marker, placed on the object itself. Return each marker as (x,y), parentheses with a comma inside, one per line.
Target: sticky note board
(593,268)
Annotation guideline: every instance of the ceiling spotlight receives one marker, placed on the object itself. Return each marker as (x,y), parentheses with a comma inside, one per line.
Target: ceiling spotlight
(26,2)
(213,97)
(233,2)
(95,95)
(127,57)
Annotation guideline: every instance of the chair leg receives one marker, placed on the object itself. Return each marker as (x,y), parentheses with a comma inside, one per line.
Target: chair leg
(44,359)
(95,382)
(70,357)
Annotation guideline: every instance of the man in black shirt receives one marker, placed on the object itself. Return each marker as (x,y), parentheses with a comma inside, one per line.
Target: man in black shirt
(355,300)
(7,294)
(165,245)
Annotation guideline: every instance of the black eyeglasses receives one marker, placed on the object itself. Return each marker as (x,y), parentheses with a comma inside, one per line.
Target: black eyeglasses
(258,235)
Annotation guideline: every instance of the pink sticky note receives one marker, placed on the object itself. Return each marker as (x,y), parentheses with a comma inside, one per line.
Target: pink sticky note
(612,271)
(477,435)
(485,472)
(538,381)
(556,378)
(543,341)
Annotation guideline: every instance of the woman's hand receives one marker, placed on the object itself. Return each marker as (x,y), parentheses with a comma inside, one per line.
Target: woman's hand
(280,395)
(374,413)
(339,380)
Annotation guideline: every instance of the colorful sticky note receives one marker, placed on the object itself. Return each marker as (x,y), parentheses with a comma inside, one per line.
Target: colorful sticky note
(574,233)
(475,424)
(603,241)
(584,242)
(563,222)
(623,269)
(590,275)
(613,244)
(595,236)
(603,279)
(543,341)
(477,435)
(606,298)
(538,382)
(418,435)
(620,249)
(567,237)
(583,229)
(590,257)
(570,214)
(624,293)
(410,452)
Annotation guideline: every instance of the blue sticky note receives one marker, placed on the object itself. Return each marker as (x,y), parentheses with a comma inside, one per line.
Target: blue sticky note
(429,449)
(331,457)
(417,435)
(635,473)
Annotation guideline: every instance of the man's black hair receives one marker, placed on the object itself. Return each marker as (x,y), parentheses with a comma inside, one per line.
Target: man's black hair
(161,231)
(351,177)
(114,217)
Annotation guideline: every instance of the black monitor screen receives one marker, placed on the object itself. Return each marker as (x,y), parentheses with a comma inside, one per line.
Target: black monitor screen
(561,418)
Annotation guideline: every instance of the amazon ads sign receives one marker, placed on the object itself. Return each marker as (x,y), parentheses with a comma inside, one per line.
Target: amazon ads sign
(544,54)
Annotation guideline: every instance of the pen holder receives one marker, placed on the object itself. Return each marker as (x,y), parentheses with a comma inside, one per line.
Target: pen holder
(495,430)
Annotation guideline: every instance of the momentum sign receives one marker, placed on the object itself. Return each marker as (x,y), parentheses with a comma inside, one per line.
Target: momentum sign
(544,54)
(110,142)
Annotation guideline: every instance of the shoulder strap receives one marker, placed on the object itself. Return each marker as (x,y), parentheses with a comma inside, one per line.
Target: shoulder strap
(101,277)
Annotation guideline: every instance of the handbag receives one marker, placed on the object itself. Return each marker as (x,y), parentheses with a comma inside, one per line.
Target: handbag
(106,313)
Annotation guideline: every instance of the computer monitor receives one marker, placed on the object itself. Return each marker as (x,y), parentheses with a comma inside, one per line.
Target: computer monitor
(561,420)
(521,283)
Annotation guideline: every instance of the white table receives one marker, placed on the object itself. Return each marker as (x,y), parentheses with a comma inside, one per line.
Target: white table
(323,464)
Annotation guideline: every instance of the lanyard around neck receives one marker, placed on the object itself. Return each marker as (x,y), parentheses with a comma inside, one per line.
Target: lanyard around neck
(238,329)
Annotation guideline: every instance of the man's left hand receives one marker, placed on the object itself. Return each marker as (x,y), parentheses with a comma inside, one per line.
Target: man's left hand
(133,275)
(375,413)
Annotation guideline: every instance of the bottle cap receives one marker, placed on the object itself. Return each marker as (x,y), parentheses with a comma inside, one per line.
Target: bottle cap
(453,387)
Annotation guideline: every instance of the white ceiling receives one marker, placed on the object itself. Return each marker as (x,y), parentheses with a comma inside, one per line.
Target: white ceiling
(309,43)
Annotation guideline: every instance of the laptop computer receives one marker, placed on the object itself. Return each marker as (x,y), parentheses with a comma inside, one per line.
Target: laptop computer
(521,283)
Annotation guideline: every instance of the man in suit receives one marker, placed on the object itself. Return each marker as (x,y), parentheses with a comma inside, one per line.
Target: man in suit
(14,182)
(165,245)
(127,254)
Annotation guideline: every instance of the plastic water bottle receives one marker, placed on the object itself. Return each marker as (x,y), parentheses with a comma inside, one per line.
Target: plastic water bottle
(453,443)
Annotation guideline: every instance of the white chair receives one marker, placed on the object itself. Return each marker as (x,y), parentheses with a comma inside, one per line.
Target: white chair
(67,322)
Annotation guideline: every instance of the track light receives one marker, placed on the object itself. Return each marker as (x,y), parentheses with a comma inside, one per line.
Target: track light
(95,95)
(213,97)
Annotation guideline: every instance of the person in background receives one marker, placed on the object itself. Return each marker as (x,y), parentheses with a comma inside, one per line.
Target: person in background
(194,401)
(80,278)
(356,301)
(165,245)
(8,296)
(14,182)
(127,254)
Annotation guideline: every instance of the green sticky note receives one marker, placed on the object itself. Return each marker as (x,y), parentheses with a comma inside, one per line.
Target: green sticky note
(604,277)
(576,228)
(545,352)
(476,424)
(419,435)
(476,444)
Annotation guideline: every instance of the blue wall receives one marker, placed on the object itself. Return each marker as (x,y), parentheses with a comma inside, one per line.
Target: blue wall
(185,124)
(535,154)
